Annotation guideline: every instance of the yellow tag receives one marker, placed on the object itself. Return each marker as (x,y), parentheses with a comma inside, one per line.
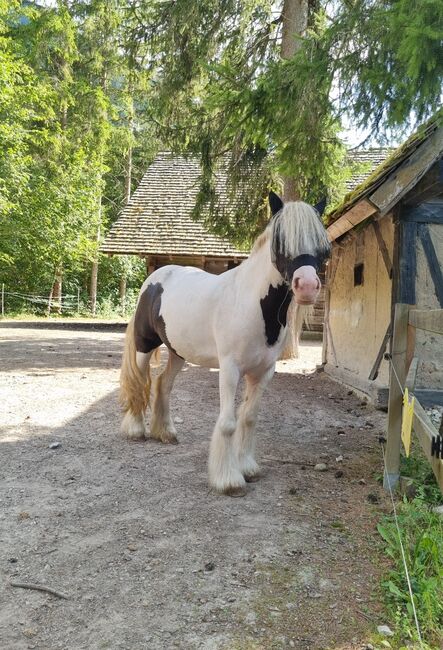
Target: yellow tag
(406,424)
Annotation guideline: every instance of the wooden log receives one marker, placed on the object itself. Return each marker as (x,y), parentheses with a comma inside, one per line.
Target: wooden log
(383,248)
(374,371)
(412,374)
(425,431)
(433,261)
(397,379)
(430,320)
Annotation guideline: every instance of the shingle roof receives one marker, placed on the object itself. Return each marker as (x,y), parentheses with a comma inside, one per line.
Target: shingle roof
(386,167)
(157,219)
(368,159)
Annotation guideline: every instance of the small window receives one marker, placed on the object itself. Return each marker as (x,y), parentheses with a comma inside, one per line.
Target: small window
(358,275)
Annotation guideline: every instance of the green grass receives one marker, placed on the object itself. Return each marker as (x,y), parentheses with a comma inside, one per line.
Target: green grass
(422,536)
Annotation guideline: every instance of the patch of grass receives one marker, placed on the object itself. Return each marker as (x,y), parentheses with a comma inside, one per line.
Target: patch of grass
(422,536)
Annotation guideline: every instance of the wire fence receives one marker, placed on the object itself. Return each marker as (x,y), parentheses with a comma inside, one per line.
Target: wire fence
(12,301)
(70,304)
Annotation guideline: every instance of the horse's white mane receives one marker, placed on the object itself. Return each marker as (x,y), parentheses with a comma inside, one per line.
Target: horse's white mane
(296,230)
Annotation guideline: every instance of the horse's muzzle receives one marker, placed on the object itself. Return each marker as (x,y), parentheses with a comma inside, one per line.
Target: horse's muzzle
(305,285)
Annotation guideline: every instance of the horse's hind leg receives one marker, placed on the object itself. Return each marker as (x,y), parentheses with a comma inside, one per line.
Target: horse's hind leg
(162,426)
(224,473)
(244,439)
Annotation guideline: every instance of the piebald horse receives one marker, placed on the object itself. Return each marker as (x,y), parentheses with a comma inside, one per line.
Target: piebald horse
(236,321)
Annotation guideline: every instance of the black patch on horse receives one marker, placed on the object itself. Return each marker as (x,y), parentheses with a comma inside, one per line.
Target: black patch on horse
(274,307)
(149,326)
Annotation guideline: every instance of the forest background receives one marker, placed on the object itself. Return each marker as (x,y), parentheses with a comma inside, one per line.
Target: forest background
(90,90)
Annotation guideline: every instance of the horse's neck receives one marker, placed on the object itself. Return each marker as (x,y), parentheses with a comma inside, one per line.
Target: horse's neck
(258,272)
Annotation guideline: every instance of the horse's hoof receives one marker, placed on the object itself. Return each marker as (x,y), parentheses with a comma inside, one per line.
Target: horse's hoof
(170,440)
(235,492)
(251,478)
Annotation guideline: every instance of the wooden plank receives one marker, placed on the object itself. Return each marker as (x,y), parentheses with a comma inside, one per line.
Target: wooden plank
(331,270)
(397,378)
(407,175)
(374,371)
(433,261)
(430,186)
(382,246)
(429,397)
(358,213)
(412,374)
(430,320)
(425,431)
(407,263)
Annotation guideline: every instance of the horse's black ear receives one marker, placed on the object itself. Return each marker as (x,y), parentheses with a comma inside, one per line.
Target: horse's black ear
(275,202)
(321,205)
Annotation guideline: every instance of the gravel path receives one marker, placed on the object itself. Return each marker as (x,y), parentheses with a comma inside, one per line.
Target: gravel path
(149,557)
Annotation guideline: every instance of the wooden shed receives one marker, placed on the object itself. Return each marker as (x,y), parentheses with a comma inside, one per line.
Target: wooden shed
(157,224)
(387,248)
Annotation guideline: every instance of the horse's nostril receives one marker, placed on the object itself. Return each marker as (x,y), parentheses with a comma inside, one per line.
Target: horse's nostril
(296,282)
(318,283)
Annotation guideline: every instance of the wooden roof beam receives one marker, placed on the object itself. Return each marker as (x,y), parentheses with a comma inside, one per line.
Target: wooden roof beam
(358,213)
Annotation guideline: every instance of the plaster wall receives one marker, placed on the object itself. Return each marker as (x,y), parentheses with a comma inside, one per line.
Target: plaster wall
(429,346)
(359,315)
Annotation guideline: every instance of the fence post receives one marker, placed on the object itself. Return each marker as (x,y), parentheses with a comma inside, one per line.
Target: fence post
(78,300)
(3,299)
(398,372)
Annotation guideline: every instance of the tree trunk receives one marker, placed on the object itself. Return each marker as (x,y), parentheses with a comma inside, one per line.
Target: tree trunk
(56,292)
(122,291)
(94,274)
(295,15)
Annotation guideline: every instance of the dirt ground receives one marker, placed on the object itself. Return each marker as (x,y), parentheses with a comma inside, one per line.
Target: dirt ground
(148,556)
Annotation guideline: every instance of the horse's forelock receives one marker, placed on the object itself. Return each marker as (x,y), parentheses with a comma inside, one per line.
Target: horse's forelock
(297,229)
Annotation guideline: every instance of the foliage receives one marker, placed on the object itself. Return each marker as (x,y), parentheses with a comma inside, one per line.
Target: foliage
(90,89)
(67,124)
(422,536)
(238,104)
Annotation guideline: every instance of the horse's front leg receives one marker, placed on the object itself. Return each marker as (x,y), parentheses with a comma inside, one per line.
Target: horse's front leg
(224,473)
(244,439)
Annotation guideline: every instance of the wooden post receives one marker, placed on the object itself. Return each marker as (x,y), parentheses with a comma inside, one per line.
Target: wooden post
(3,299)
(78,300)
(397,375)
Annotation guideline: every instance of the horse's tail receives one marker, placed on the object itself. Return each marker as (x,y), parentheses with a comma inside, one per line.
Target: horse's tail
(135,386)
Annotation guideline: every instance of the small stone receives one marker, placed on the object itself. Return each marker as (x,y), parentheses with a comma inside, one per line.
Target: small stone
(23,515)
(30,632)
(385,630)
(292,644)
(339,459)
(12,560)
(338,473)
(178,420)
(209,566)
(438,510)
(340,432)
(131,547)
(369,646)
(55,445)
(362,481)
(321,467)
